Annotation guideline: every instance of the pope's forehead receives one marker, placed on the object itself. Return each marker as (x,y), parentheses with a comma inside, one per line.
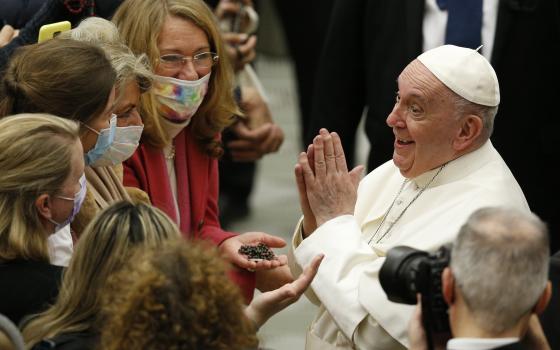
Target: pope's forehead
(417,76)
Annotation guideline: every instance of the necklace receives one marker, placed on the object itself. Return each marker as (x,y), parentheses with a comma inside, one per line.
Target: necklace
(405,208)
(171,153)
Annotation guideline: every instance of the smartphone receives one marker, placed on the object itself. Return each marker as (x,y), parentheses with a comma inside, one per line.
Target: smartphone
(49,31)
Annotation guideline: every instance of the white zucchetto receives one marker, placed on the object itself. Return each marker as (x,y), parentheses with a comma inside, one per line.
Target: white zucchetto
(465,71)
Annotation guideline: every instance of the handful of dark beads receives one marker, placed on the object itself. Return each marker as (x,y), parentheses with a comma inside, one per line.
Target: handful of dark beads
(255,252)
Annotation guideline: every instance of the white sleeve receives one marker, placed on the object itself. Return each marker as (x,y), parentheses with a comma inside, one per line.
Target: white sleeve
(336,283)
(295,268)
(347,283)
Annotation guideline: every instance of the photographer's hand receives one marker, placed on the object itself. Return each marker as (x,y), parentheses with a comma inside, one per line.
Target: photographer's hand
(416,332)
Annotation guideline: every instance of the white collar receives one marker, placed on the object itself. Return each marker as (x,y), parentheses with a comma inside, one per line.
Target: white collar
(459,167)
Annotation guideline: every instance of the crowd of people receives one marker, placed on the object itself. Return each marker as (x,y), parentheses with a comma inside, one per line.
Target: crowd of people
(111,136)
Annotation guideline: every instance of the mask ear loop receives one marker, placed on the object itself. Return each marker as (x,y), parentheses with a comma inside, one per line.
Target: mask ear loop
(90,128)
(113,116)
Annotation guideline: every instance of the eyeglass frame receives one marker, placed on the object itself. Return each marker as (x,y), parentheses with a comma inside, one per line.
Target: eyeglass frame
(185,59)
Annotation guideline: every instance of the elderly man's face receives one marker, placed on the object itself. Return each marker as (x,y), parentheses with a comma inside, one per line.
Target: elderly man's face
(423,122)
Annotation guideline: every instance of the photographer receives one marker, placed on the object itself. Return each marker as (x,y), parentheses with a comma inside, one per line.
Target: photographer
(496,283)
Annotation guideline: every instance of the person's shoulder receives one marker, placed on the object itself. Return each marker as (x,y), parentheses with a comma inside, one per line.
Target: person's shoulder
(30,266)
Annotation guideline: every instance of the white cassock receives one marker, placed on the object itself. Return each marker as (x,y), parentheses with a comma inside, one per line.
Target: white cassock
(354,310)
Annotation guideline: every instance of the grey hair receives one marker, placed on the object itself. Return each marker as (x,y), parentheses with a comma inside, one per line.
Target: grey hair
(94,30)
(500,264)
(486,113)
(105,34)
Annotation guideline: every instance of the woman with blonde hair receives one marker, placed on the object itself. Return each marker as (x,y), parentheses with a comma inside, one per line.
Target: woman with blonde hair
(74,320)
(190,104)
(41,186)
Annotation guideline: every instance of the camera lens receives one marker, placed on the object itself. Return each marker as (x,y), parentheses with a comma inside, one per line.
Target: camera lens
(398,275)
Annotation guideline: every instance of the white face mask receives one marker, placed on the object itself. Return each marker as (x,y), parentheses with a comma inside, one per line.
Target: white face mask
(179,99)
(124,144)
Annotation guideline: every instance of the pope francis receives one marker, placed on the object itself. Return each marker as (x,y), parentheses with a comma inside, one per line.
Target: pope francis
(444,167)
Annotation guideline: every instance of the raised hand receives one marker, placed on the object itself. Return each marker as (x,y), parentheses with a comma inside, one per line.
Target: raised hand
(267,304)
(331,189)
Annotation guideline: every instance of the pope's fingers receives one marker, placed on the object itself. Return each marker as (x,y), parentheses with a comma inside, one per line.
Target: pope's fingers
(319,157)
(300,182)
(311,156)
(356,175)
(339,153)
(308,175)
(329,150)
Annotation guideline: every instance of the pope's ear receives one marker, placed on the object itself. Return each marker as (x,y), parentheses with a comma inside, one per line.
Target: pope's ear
(470,130)
(42,203)
(448,286)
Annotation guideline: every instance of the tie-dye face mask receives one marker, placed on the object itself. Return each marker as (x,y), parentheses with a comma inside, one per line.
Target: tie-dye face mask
(179,99)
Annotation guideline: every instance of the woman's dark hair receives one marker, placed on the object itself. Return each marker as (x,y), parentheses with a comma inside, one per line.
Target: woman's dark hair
(174,296)
(67,78)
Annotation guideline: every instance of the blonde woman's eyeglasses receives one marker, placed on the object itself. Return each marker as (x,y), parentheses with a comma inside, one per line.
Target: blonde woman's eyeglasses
(176,61)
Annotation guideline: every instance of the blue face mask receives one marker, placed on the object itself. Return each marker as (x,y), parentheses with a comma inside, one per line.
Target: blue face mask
(123,147)
(105,139)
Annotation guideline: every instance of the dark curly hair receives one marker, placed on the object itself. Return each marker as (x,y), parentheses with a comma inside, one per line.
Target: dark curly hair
(175,297)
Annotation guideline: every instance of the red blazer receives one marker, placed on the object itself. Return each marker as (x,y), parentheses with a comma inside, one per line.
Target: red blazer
(197,197)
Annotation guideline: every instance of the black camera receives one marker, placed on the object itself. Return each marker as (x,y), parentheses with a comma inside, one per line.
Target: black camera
(408,271)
